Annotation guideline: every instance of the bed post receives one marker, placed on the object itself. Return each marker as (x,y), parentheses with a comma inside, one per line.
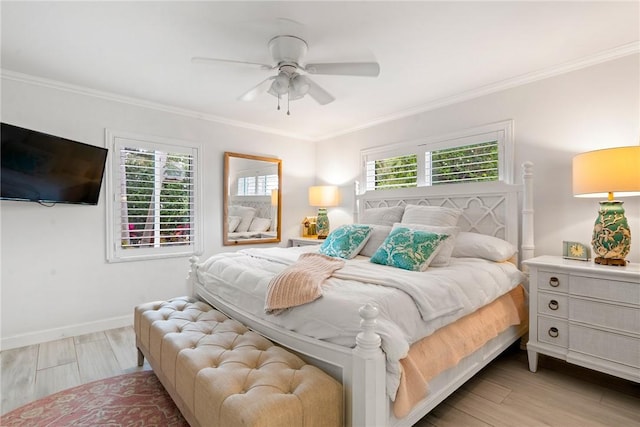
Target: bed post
(192,275)
(527,245)
(369,401)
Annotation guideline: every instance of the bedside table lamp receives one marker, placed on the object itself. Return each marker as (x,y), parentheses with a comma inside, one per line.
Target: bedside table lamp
(602,173)
(322,197)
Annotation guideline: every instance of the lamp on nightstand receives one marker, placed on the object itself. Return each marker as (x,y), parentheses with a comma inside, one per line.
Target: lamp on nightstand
(600,173)
(322,197)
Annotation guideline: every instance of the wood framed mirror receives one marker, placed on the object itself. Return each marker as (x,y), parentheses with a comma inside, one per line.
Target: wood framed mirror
(252,199)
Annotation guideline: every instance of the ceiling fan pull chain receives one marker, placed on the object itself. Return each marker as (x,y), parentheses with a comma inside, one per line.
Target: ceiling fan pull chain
(288,96)
(278,102)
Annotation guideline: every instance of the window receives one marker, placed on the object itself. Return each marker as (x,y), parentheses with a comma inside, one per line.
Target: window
(260,185)
(475,155)
(153,203)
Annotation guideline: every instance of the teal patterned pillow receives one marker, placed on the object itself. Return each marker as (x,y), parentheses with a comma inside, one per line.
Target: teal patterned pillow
(408,249)
(346,241)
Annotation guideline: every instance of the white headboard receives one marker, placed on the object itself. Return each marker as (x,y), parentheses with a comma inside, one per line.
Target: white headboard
(494,208)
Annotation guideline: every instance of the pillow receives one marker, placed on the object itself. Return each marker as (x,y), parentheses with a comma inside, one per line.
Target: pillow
(246,215)
(378,234)
(346,241)
(408,249)
(233,223)
(443,254)
(260,224)
(430,215)
(382,216)
(476,245)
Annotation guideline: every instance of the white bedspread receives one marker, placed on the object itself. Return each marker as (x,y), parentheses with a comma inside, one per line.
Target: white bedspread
(412,305)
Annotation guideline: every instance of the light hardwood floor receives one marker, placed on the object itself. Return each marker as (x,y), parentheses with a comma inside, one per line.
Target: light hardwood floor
(504,394)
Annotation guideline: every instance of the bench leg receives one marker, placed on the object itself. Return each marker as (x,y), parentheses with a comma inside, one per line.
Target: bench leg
(140,358)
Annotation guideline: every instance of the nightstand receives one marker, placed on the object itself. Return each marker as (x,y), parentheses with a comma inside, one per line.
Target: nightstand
(585,313)
(305,241)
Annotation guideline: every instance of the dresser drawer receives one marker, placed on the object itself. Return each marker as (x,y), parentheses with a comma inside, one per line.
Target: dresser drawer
(553,304)
(612,290)
(605,345)
(621,318)
(552,281)
(553,331)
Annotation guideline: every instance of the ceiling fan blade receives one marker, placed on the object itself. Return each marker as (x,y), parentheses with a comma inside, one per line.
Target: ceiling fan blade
(321,96)
(257,90)
(369,69)
(201,60)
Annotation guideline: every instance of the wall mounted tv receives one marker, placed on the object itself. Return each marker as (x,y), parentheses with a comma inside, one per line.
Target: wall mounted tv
(48,169)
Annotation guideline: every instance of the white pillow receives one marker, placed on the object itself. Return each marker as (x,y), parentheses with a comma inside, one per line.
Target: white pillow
(234,221)
(378,234)
(443,255)
(246,215)
(430,215)
(476,245)
(260,224)
(382,216)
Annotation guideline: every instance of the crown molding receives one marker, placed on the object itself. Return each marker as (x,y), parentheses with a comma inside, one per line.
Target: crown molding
(566,67)
(108,96)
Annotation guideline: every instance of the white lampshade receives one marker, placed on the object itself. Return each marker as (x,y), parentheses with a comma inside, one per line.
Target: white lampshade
(323,196)
(601,172)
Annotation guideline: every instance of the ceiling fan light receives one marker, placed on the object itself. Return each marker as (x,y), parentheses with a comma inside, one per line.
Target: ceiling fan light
(280,85)
(299,86)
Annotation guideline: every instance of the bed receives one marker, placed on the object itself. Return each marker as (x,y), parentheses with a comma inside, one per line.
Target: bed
(383,356)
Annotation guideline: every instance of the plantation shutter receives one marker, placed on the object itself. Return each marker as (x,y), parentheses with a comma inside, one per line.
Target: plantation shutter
(477,162)
(155,187)
(392,172)
(480,154)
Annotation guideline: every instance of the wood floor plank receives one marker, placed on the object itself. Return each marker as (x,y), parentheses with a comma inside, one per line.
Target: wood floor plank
(623,403)
(18,373)
(58,352)
(123,344)
(96,360)
(94,336)
(494,414)
(57,378)
(445,415)
(488,389)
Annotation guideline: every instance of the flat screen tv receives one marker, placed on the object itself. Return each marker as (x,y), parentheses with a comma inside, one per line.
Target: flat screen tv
(48,169)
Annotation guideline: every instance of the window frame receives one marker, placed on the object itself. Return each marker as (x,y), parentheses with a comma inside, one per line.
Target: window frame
(115,253)
(499,131)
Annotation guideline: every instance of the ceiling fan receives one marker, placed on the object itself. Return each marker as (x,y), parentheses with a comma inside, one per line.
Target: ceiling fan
(292,73)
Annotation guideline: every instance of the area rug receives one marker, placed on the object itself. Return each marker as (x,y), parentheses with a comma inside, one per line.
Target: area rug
(136,399)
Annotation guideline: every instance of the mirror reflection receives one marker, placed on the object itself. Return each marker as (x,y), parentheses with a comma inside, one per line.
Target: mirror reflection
(252,197)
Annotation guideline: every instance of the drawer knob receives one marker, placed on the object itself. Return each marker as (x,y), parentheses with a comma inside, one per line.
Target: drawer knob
(553,332)
(554,282)
(553,304)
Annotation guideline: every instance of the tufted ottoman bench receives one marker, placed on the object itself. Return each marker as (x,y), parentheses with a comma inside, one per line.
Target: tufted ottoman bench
(219,373)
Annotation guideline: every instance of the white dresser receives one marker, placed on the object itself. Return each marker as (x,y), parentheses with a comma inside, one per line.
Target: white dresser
(586,314)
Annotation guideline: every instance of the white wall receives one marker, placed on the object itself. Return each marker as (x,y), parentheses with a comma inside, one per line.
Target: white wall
(554,119)
(55,280)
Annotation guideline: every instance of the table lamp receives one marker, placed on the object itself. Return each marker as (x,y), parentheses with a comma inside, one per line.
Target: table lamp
(322,197)
(602,173)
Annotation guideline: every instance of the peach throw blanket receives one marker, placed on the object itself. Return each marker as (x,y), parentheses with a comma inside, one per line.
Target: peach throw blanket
(301,282)
(448,345)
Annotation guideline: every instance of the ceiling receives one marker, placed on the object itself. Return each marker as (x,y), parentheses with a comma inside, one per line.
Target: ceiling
(430,53)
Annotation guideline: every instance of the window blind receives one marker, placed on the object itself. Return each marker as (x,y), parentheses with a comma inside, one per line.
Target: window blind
(156,198)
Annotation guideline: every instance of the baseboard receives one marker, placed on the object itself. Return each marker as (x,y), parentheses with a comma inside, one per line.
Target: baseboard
(32,338)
